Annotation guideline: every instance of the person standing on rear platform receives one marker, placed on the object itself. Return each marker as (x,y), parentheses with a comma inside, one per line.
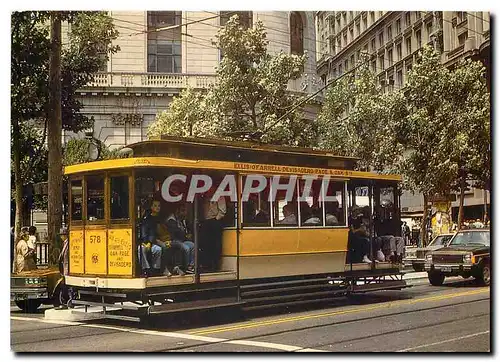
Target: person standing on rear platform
(211,230)
(149,243)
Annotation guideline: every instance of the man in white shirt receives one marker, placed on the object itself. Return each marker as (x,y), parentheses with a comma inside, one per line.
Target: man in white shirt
(211,231)
(289,216)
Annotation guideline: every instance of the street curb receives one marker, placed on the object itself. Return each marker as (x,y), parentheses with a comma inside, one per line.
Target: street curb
(415,275)
(76,314)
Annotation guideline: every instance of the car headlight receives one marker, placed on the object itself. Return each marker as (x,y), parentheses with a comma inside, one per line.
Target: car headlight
(428,257)
(468,258)
(33,280)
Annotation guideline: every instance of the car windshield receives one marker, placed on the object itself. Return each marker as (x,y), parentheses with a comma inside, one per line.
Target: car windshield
(441,240)
(471,238)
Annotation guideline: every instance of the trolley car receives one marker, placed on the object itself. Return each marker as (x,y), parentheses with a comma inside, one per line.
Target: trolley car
(263,261)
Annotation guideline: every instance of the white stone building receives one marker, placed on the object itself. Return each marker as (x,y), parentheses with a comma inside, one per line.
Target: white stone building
(153,66)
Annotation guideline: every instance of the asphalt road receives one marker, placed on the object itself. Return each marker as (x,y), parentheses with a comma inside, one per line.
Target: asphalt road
(454,317)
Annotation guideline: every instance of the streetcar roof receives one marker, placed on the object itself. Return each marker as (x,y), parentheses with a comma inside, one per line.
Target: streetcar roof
(242,156)
(249,168)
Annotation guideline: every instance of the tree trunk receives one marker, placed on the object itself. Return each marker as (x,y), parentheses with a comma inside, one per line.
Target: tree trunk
(461,203)
(18,182)
(54,131)
(485,203)
(423,226)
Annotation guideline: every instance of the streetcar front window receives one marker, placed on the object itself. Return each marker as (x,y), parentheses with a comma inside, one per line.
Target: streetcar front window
(119,197)
(95,198)
(76,200)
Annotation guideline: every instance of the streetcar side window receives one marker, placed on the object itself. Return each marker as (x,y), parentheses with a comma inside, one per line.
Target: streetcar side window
(95,198)
(334,201)
(311,207)
(119,197)
(76,200)
(285,211)
(229,207)
(257,210)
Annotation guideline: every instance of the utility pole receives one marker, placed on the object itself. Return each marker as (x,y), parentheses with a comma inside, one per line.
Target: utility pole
(54,132)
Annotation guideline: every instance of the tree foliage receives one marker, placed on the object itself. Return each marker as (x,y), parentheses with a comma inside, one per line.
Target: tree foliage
(185,116)
(355,118)
(76,151)
(88,48)
(435,131)
(249,97)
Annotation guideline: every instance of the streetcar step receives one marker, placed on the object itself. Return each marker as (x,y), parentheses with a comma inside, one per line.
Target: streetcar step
(100,304)
(395,284)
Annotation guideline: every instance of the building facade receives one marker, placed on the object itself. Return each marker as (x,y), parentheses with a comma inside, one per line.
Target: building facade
(394,39)
(163,52)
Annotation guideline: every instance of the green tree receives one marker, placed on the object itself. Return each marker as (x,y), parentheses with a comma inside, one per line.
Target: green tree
(356,117)
(89,46)
(468,139)
(76,151)
(249,97)
(420,136)
(185,115)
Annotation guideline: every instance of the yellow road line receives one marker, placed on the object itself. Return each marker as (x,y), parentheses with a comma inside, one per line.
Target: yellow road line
(330,314)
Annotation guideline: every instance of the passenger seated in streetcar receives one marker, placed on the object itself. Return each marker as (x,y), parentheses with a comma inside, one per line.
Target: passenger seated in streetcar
(331,213)
(262,216)
(149,242)
(289,216)
(178,230)
(306,213)
(358,243)
(391,246)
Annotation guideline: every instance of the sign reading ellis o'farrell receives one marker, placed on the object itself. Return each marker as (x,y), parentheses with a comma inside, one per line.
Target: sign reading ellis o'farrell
(76,252)
(120,255)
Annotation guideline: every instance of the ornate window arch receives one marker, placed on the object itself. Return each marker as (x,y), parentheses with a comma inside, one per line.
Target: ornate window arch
(296,33)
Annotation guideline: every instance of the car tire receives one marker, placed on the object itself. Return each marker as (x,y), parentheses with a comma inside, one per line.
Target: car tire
(485,277)
(418,268)
(28,305)
(436,278)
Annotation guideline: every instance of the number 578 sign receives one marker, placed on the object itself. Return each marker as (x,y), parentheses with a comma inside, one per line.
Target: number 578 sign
(95,252)
(95,239)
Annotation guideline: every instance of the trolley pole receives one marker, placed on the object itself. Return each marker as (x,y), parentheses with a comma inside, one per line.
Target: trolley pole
(196,237)
(54,131)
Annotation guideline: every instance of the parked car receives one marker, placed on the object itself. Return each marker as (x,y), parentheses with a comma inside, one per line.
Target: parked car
(467,254)
(30,289)
(44,285)
(416,256)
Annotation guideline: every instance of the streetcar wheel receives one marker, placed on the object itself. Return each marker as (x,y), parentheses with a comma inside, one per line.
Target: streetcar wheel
(485,277)
(435,278)
(28,305)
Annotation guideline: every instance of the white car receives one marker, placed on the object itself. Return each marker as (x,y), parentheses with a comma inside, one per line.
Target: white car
(416,256)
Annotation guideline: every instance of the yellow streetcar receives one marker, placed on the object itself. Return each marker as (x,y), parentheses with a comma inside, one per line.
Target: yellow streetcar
(282,235)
